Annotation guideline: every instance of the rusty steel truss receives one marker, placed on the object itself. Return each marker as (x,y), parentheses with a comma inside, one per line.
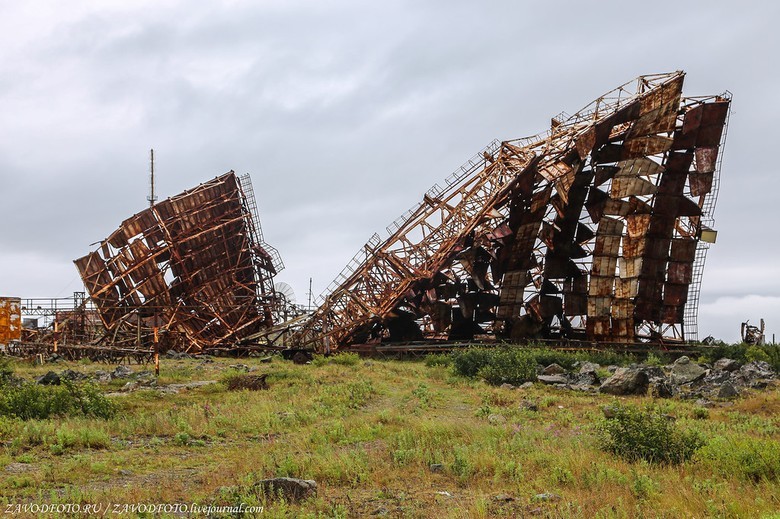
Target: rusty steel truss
(193,267)
(590,231)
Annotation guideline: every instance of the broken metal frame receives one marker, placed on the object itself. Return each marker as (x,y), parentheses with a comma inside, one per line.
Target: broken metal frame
(194,265)
(587,231)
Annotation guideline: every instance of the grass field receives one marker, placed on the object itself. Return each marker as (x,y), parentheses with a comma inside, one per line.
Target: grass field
(368,432)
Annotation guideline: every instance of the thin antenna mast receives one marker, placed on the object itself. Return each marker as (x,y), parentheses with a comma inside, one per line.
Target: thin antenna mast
(151,198)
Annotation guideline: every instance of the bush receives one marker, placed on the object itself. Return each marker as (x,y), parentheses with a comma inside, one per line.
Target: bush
(509,366)
(744,353)
(756,353)
(438,359)
(33,401)
(468,362)
(636,434)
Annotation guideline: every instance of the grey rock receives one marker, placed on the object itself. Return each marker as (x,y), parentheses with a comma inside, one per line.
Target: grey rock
(727,390)
(703,402)
(69,374)
(102,376)
(496,419)
(661,389)
(654,372)
(683,371)
(587,378)
(525,385)
(380,511)
(507,386)
(240,367)
(292,489)
(726,365)
(547,496)
(122,371)
(756,369)
(589,367)
(436,468)
(552,379)
(503,498)
(528,405)
(130,386)
(553,369)
(612,368)
(716,377)
(626,381)
(610,411)
(49,379)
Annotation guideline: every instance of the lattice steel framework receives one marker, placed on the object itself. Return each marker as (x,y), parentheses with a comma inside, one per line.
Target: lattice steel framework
(587,231)
(193,264)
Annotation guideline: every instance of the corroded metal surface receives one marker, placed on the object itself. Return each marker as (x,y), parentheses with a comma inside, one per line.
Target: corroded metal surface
(192,265)
(589,231)
(10,319)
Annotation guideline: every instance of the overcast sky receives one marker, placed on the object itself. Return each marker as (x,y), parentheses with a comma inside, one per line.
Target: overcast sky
(344,113)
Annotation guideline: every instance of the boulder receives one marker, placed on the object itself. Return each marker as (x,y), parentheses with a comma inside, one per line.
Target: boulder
(528,405)
(525,385)
(626,381)
(436,467)
(49,379)
(727,390)
(661,389)
(758,369)
(683,371)
(507,386)
(589,367)
(552,379)
(122,371)
(496,419)
(587,378)
(291,489)
(102,376)
(69,374)
(553,369)
(726,365)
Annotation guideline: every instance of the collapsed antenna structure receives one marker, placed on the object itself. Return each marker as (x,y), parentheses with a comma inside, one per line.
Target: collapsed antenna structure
(595,230)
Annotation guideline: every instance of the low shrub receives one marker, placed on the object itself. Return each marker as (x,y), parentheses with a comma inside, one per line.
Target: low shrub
(33,401)
(509,366)
(646,434)
(744,353)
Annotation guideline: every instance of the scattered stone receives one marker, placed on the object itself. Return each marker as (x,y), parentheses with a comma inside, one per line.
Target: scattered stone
(612,368)
(526,385)
(507,386)
(436,468)
(54,357)
(291,489)
(380,511)
(302,358)
(130,386)
(496,419)
(626,381)
(727,390)
(503,498)
(528,405)
(49,379)
(547,496)
(589,367)
(122,371)
(240,367)
(19,468)
(661,389)
(266,360)
(683,371)
(552,379)
(726,365)
(553,369)
(69,374)
(586,378)
(703,402)
(102,376)
(716,377)
(610,411)
(756,369)
(125,472)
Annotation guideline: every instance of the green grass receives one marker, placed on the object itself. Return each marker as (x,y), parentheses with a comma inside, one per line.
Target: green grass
(368,433)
